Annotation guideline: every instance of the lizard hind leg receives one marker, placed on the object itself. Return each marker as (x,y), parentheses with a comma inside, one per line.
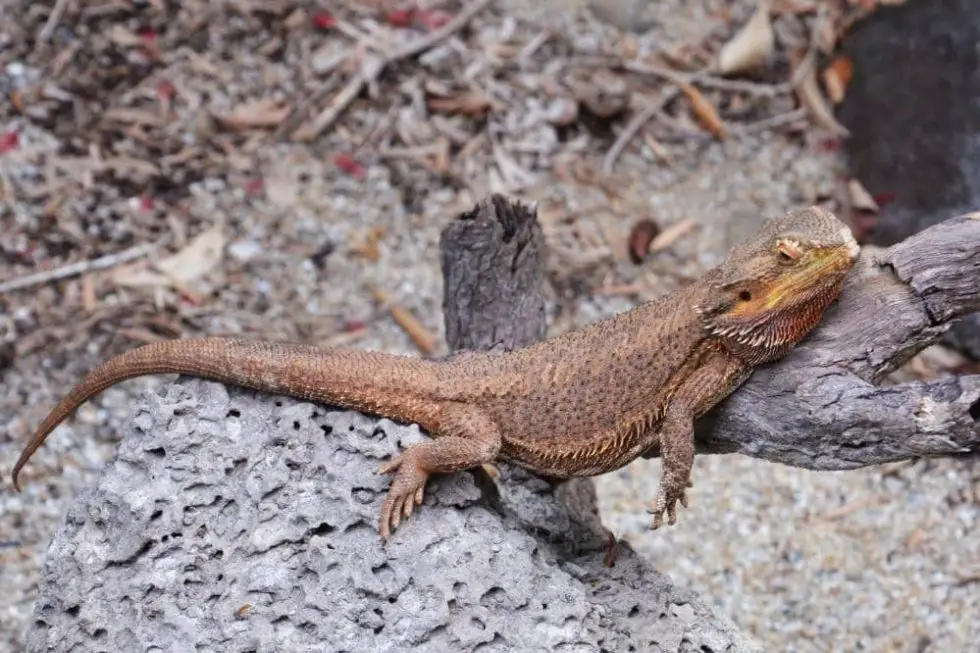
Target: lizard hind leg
(467,438)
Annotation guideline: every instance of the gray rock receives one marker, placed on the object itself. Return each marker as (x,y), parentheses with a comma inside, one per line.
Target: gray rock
(235,521)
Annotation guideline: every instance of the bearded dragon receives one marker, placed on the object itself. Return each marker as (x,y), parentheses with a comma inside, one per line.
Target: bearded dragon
(582,403)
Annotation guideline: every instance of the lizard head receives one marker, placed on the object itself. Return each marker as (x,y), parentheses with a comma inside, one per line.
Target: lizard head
(772,290)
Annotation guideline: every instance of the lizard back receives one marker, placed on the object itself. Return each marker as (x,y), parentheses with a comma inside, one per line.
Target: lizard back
(583,402)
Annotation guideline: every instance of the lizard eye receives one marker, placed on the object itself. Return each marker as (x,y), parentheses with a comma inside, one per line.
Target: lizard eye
(788,252)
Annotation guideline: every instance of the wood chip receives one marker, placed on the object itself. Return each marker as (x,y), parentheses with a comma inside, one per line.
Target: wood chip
(422,337)
(808,91)
(133,116)
(672,234)
(851,508)
(751,46)
(836,77)
(704,110)
(89,302)
(860,198)
(915,540)
(369,246)
(657,148)
(122,37)
(200,256)
(128,167)
(254,115)
(344,338)
(469,104)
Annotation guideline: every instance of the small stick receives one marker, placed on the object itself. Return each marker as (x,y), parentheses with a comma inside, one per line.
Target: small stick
(809,59)
(73,269)
(671,235)
(52,22)
(89,301)
(369,73)
(421,336)
(777,120)
(532,46)
(410,152)
(704,79)
(450,28)
(657,148)
(633,127)
(333,110)
(318,94)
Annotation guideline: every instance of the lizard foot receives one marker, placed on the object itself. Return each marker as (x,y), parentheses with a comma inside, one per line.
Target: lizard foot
(670,495)
(407,491)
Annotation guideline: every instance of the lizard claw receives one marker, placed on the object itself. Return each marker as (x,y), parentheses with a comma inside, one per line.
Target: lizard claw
(667,501)
(390,466)
(407,491)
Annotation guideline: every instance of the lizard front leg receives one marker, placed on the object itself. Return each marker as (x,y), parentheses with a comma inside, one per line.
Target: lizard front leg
(467,438)
(710,383)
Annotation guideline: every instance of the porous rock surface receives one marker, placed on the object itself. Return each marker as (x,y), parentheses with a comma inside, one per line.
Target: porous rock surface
(234,521)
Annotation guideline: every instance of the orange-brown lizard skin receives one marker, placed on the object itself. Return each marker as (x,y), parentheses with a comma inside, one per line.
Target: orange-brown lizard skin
(579,404)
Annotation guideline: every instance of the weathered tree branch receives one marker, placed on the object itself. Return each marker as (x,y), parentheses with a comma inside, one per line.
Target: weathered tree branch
(821,407)
(491,268)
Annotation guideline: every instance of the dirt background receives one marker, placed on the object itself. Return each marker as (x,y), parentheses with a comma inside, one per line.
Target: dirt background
(174,144)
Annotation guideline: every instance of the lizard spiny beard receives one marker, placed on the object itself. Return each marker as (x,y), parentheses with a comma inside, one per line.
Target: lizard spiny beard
(771,334)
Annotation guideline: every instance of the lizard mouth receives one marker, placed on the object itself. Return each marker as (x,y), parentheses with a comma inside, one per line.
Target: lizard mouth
(853,249)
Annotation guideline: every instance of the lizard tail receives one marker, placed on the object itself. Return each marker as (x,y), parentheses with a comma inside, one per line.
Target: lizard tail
(397,387)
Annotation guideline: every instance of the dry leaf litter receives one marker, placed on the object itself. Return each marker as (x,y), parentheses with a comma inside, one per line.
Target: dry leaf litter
(283,170)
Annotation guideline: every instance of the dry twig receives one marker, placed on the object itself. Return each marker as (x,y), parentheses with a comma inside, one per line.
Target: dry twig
(670,235)
(52,23)
(770,122)
(422,337)
(633,127)
(708,81)
(686,81)
(373,65)
(74,269)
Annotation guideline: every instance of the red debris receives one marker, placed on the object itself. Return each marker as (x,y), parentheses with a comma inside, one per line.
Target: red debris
(354,325)
(149,36)
(146,203)
(26,255)
(830,144)
(254,186)
(863,226)
(401,17)
(350,165)
(9,141)
(885,198)
(434,19)
(323,20)
(165,90)
(151,46)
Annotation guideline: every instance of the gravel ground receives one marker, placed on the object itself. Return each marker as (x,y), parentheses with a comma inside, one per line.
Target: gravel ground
(873,560)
